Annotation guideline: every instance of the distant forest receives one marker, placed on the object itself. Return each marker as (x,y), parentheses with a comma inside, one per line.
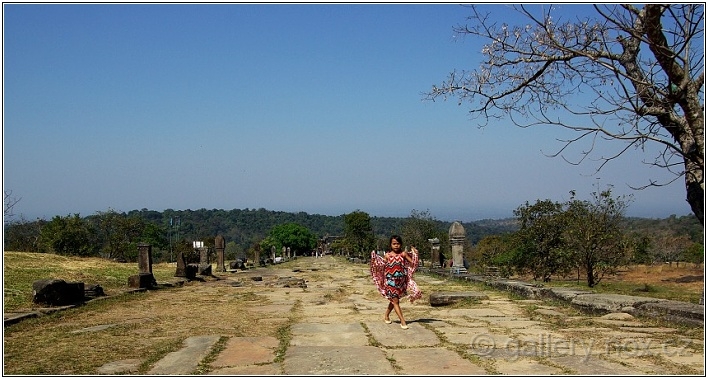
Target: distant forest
(111,233)
(248,226)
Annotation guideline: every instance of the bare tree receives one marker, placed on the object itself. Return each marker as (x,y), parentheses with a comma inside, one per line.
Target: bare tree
(642,69)
(8,204)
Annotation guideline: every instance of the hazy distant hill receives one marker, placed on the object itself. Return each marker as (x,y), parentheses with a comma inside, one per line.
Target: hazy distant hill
(245,226)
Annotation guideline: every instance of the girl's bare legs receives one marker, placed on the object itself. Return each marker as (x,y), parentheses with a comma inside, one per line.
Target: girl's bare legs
(388,311)
(397,308)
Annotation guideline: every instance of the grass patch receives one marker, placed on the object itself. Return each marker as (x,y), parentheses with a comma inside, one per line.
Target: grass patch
(205,365)
(372,341)
(22,269)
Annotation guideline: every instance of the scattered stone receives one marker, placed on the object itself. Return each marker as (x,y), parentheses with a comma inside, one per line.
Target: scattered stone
(125,366)
(57,292)
(617,316)
(142,280)
(205,269)
(549,312)
(289,282)
(94,290)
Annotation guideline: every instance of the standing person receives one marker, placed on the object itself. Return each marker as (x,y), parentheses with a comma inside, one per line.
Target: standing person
(393,276)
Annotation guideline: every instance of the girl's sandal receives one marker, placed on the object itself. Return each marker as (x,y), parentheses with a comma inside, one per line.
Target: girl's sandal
(387,321)
(404,326)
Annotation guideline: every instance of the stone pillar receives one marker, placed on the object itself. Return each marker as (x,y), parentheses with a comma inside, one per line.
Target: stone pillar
(288,253)
(435,252)
(181,266)
(144,279)
(220,246)
(457,240)
(204,265)
(145,258)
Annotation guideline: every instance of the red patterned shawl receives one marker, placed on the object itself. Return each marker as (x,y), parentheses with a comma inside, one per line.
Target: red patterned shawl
(378,265)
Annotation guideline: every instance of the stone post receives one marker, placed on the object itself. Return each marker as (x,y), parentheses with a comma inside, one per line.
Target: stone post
(288,253)
(220,246)
(204,265)
(144,279)
(181,266)
(145,258)
(435,253)
(457,240)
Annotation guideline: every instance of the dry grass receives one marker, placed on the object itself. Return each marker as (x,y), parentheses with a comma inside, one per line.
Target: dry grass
(144,326)
(20,270)
(683,283)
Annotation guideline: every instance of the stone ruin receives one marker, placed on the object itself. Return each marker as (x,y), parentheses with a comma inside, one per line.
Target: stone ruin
(144,279)
(457,241)
(220,245)
(58,292)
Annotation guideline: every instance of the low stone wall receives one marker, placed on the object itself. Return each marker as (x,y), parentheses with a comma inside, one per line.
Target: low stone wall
(673,311)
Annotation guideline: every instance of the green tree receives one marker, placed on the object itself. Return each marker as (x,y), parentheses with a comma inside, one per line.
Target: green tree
(629,74)
(499,251)
(233,250)
(119,234)
(418,229)
(694,253)
(23,235)
(298,238)
(541,247)
(594,234)
(358,233)
(70,235)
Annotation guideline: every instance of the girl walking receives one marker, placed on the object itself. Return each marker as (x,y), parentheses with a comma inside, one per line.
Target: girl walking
(393,277)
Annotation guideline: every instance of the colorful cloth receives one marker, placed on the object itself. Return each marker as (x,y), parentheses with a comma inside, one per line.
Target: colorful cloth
(393,276)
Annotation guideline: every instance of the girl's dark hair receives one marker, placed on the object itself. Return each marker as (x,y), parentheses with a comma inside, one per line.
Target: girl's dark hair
(397,238)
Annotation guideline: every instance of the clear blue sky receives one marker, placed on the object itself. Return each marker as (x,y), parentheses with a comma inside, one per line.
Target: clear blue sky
(313,108)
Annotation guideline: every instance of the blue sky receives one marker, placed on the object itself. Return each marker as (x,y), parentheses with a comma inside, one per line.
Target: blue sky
(313,108)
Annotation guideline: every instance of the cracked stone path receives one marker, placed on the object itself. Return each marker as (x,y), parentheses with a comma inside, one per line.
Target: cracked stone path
(335,327)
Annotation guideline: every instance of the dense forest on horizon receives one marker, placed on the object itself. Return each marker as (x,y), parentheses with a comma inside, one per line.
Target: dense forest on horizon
(246,226)
(244,229)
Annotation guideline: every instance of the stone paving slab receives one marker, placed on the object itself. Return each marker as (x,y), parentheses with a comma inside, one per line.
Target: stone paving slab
(124,366)
(391,335)
(256,370)
(315,311)
(582,365)
(310,334)
(433,361)
(336,360)
(244,351)
(525,367)
(462,335)
(186,360)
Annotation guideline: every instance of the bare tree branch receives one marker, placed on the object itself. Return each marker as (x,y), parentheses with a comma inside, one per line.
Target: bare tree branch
(633,74)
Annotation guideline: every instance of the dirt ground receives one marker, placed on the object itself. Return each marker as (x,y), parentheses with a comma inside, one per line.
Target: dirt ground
(687,276)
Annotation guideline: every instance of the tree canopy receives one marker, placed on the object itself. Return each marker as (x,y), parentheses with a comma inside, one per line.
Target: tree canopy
(631,74)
